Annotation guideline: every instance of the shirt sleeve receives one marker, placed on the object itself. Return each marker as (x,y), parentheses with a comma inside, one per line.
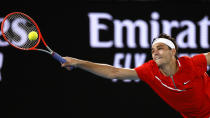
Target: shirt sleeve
(200,63)
(143,71)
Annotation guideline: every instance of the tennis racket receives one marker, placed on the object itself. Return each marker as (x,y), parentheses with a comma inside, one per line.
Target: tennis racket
(15,28)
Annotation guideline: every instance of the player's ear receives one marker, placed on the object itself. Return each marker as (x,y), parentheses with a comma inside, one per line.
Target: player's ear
(174,52)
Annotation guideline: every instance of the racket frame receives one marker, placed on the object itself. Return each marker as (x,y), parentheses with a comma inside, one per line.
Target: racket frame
(39,33)
(50,51)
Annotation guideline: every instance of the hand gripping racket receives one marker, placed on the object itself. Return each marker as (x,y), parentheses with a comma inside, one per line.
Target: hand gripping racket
(15,28)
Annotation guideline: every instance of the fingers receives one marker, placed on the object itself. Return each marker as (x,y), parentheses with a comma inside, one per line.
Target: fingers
(65,64)
(68,63)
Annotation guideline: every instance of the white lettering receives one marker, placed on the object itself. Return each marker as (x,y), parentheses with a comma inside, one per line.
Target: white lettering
(131,39)
(19,31)
(4,43)
(1,64)
(95,27)
(204,32)
(190,33)
(155,27)
(140,59)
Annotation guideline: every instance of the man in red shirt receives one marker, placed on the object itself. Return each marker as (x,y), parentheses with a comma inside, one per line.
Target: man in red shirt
(181,82)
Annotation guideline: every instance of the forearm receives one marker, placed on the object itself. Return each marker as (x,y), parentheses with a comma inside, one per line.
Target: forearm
(103,70)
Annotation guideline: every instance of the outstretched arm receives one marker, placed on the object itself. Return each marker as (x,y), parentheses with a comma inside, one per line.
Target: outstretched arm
(103,70)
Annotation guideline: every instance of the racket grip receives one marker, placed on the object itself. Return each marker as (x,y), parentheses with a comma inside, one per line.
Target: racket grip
(59,58)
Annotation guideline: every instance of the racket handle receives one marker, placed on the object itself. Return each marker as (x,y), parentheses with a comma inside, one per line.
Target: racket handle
(60,59)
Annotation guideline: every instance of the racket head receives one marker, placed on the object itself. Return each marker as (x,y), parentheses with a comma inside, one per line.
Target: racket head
(20,25)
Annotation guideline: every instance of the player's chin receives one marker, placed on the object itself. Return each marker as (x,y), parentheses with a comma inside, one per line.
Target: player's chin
(158,62)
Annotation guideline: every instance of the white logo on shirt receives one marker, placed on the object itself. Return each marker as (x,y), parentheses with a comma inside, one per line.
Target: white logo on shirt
(186,82)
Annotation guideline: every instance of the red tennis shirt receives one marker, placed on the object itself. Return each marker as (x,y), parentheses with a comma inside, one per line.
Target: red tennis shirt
(187,91)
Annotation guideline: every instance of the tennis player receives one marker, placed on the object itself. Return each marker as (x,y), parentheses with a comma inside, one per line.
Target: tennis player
(181,82)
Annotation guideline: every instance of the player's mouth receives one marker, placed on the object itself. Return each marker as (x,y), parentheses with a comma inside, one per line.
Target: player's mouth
(158,58)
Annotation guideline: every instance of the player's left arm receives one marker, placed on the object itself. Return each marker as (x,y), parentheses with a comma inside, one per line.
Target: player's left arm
(207,55)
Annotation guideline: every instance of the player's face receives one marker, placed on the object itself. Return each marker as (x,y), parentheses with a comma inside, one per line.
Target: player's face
(161,54)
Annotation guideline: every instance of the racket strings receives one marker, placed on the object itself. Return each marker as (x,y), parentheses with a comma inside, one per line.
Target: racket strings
(17,32)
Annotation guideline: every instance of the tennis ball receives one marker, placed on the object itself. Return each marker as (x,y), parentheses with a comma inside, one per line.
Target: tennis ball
(32,36)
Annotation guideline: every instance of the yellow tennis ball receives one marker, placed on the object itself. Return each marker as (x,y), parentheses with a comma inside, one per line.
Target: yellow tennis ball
(32,36)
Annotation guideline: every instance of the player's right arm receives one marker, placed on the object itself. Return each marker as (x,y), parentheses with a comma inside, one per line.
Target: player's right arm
(103,70)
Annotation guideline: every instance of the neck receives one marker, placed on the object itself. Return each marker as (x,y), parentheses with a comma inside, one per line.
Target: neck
(170,68)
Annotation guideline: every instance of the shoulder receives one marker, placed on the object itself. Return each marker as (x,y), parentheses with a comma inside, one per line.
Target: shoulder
(199,57)
(145,70)
(185,60)
(195,60)
(197,63)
